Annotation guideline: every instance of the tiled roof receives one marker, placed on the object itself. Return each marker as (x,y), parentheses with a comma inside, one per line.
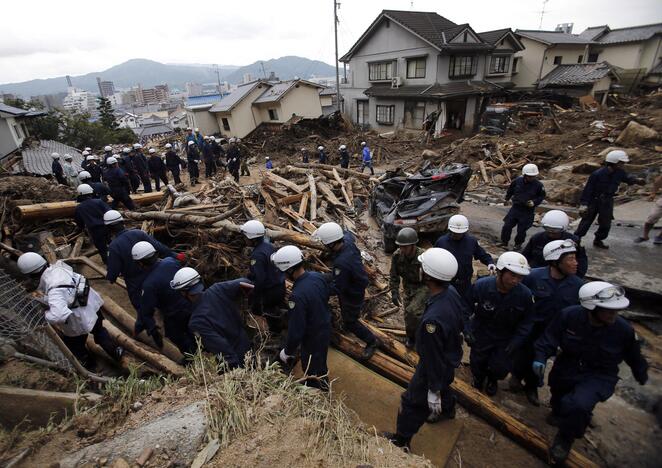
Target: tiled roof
(456,88)
(150,130)
(552,37)
(235,97)
(590,34)
(277,91)
(491,37)
(38,160)
(328,91)
(5,109)
(576,75)
(633,34)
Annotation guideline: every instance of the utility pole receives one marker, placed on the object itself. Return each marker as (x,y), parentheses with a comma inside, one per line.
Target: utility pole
(336,5)
(218,77)
(542,13)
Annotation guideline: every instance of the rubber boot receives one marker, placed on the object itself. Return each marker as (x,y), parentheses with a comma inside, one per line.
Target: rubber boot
(560,449)
(370,349)
(491,387)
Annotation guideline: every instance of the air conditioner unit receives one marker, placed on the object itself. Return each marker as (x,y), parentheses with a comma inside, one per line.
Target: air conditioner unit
(396,82)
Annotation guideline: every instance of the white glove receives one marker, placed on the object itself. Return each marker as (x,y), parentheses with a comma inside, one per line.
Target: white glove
(284,357)
(491,268)
(434,402)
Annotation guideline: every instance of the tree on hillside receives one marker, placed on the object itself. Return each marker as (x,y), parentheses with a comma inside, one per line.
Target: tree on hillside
(106,115)
(79,132)
(46,127)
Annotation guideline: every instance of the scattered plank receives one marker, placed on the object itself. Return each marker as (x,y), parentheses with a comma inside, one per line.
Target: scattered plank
(313,197)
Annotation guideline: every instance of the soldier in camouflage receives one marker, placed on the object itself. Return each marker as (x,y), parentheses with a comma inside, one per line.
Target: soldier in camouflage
(405,265)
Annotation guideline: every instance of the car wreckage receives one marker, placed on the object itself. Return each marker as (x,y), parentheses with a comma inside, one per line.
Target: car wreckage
(424,201)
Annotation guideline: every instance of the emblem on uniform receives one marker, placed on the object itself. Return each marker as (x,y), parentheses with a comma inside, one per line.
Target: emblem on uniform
(337,271)
(430,327)
(253,262)
(487,305)
(291,304)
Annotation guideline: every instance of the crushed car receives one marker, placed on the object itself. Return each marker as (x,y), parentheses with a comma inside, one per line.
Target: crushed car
(424,201)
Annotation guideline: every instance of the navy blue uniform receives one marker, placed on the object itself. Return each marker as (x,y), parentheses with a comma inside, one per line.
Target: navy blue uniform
(176,311)
(305,157)
(157,170)
(192,159)
(533,251)
(344,159)
(95,171)
(439,346)
(520,214)
(120,187)
(598,195)
(551,297)
(89,215)
(105,157)
(586,370)
(269,281)
(208,155)
(121,262)
(234,161)
(216,319)
(501,324)
(309,325)
(349,283)
(464,251)
(323,158)
(140,162)
(173,161)
(58,172)
(101,191)
(129,166)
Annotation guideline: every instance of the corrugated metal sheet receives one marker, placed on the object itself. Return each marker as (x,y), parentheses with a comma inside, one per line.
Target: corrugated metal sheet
(207,99)
(576,75)
(38,160)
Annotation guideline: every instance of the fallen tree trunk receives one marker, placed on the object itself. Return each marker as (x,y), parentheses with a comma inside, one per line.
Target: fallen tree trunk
(469,397)
(328,167)
(65,209)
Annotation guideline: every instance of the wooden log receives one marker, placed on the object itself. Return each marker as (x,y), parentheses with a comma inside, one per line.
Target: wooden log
(328,167)
(48,248)
(303,223)
(178,217)
(78,245)
(10,249)
(96,267)
(329,195)
(282,181)
(253,211)
(483,171)
(313,197)
(126,363)
(303,206)
(291,199)
(65,209)
(343,190)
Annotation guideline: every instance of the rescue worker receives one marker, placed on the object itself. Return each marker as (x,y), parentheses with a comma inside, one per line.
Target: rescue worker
(349,282)
(439,347)
(119,185)
(89,217)
(101,190)
(57,170)
(93,168)
(173,163)
(208,156)
(157,169)
(309,317)
(130,170)
(189,136)
(464,248)
(70,173)
(405,266)
(321,155)
(366,158)
(215,315)
(527,192)
(554,287)
(555,224)
(192,160)
(72,313)
(233,157)
(502,319)
(269,165)
(120,261)
(199,140)
(597,198)
(157,294)
(243,158)
(344,157)
(217,150)
(140,163)
(305,157)
(655,214)
(269,282)
(84,162)
(107,153)
(594,341)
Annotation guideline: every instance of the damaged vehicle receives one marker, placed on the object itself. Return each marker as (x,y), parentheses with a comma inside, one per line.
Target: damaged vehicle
(424,201)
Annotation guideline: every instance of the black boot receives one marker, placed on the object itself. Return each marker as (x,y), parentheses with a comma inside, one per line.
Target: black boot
(599,244)
(491,387)
(410,343)
(118,353)
(552,420)
(478,383)
(370,349)
(560,449)
(532,396)
(398,440)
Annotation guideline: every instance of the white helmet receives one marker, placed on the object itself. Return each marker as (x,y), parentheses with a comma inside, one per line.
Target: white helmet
(253,229)
(238,140)
(342,147)
(514,262)
(438,263)
(142,250)
(287,257)
(232,139)
(530,170)
(191,142)
(30,262)
(91,157)
(555,220)
(320,148)
(84,189)
(458,224)
(126,150)
(616,156)
(152,151)
(87,148)
(137,146)
(108,148)
(185,278)
(267,158)
(197,129)
(168,145)
(363,143)
(68,157)
(328,233)
(111,160)
(85,153)
(602,294)
(555,249)
(55,155)
(112,217)
(304,149)
(84,175)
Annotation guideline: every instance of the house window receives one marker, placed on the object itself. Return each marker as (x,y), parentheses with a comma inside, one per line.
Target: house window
(558,59)
(592,58)
(462,66)
(19,133)
(385,114)
(273,114)
(580,59)
(516,62)
(379,71)
(362,115)
(416,68)
(499,64)
(226,124)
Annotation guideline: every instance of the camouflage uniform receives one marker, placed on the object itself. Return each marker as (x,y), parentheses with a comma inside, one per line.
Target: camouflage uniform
(415,292)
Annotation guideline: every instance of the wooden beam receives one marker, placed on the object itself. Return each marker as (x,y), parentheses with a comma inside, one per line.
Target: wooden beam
(329,195)
(291,199)
(313,197)
(282,181)
(301,222)
(342,188)
(304,204)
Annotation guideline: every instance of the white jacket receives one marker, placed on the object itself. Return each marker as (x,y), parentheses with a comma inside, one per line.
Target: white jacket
(72,322)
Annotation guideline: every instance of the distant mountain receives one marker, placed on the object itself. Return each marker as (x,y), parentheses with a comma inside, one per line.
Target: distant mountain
(284,68)
(149,73)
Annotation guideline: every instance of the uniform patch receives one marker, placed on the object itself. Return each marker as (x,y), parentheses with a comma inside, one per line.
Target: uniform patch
(291,304)
(337,271)
(430,327)
(253,262)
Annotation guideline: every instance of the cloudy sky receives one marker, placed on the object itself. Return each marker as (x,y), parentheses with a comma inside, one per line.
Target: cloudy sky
(53,38)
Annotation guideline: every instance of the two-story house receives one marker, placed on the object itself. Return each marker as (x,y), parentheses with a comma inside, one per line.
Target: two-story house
(409,64)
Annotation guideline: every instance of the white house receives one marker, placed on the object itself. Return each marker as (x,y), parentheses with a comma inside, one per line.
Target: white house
(13,130)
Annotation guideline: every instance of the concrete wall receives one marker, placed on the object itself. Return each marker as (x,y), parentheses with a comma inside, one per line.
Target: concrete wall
(203,120)
(651,54)
(634,55)
(535,52)
(243,119)
(9,140)
(302,100)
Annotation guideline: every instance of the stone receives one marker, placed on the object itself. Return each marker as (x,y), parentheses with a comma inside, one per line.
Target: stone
(120,463)
(429,154)
(136,406)
(636,133)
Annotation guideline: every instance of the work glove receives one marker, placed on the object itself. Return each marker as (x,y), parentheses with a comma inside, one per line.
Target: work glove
(156,336)
(395,298)
(469,337)
(286,359)
(583,209)
(492,268)
(434,402)
(539,371)
(529,203)
(181,257)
